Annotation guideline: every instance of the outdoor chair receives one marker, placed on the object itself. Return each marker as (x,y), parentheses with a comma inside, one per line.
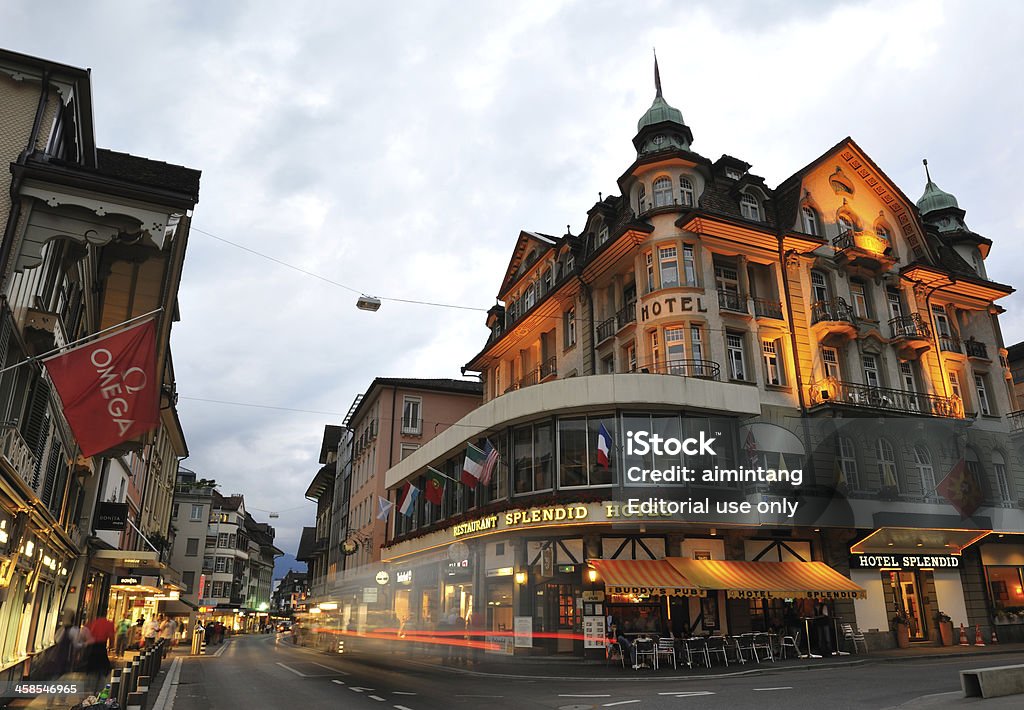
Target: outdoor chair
(854,636)
(697,648)
(732,644)
(667,647)
(762,641)
(792,642)
(745,644)
(716,647)
(645,648)
(612,650)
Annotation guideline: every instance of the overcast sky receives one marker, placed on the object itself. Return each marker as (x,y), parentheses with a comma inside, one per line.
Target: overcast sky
(399,149)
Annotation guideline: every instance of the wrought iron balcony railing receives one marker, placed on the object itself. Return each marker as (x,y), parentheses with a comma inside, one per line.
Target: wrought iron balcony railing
(732,301)
(950,344)
(764,308)
(910,326)
(887,398)
(846,240)
(834,309)
(1016,420)
(606,329)
(700,369)
(546,369)
(626,316)
(976,348)
(18,454)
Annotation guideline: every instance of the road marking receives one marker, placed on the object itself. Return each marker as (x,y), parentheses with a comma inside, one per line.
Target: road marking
(401,707)
(339,682)
(289,668)
(376,697)
(688,693)
(402,692)
(331,668)
(170,688)
(358,689)
(784,687)
(602,695)
(619,702)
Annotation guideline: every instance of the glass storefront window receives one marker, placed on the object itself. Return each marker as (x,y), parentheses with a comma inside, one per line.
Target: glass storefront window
(572,452)
(533,462)
(1007,588)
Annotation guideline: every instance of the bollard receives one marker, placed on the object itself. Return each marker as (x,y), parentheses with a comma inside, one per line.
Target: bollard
(143,686)
(135,701)
(127,678)
(115,684)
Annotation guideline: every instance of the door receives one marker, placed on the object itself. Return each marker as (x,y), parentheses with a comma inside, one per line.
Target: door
(909,590)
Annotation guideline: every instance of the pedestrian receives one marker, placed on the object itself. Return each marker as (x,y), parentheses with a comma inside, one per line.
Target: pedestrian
(60,662)
(97,663)
(211,636)
(122,634)
(149,632)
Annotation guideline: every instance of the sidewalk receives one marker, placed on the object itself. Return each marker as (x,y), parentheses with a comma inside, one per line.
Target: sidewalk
(566,668)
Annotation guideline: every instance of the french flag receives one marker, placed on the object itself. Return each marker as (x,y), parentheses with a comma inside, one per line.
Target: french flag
(604,446)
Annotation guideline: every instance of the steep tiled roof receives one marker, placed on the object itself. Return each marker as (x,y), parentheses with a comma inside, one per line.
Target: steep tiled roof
(144,171)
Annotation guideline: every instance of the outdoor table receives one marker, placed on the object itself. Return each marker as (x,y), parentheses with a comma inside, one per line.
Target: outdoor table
(807,631)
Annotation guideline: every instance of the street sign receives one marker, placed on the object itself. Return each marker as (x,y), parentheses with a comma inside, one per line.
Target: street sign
(383,577)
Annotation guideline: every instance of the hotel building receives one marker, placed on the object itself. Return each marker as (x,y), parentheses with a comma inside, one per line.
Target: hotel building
(829,325)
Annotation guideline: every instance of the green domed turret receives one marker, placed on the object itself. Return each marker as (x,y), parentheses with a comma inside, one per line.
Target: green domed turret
(934,198)
(658,112)
(661,127)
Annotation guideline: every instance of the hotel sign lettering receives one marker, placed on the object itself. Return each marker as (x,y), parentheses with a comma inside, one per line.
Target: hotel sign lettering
(522,518)
(868,561)
(668,305)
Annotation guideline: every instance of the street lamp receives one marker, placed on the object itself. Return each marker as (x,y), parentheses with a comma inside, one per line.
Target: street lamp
(368,303)
(592,575)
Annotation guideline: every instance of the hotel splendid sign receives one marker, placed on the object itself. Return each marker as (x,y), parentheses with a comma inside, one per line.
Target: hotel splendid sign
(543,516)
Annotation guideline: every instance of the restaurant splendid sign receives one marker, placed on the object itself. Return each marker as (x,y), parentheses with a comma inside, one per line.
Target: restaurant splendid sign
(522,518)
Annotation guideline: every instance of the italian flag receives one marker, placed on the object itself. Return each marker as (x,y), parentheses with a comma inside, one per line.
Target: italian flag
(473,468)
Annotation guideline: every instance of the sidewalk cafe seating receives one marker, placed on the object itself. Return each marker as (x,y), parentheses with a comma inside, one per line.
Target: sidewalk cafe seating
(792,642)
(644,647)
(745,644)
(763,641)
(667,647)
(697,648)
(613,650)
(854,636)
(716,646)
(732,644)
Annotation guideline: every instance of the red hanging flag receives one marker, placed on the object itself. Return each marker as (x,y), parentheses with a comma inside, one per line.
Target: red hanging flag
(961,489)
(109,387)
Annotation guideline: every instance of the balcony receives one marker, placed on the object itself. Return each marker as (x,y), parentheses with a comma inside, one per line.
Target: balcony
(950,344)
(765,308)
(732,301)
(1016,420)
(976,349)
(833,318)
(17,452)
(832,391)
(606,329)
(626,316)
(548,368)
(700,369)
(911,335)
(863,253)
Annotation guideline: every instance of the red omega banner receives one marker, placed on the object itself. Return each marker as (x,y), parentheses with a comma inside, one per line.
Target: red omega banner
(109,387)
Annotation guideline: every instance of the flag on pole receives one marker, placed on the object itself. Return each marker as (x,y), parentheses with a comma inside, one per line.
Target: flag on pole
(473,467)
(604,446)
(435,486)
(840,481)
(750,446)
(409,495)
(109,387)
(384,507)
(961,489)
(490,462)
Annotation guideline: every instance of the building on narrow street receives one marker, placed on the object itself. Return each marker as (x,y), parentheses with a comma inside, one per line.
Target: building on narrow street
(830,328)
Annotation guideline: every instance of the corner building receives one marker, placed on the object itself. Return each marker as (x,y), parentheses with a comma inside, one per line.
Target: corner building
(829,325)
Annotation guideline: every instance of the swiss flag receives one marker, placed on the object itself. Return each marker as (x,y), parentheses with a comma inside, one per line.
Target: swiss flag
(961,489)
(109,387)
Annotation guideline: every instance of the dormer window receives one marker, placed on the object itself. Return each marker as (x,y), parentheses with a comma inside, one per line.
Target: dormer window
(733,174)
(749,207)
(659,140)
(685,191)
(602,234)
(810,220)
(662,192)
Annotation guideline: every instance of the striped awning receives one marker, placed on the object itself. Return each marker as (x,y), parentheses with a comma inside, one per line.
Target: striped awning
(643,578)
(768,580)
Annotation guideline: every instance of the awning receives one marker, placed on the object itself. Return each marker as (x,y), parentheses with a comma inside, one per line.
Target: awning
(178,607)
(768,580)
(644,578)
(108,560)
(918,540)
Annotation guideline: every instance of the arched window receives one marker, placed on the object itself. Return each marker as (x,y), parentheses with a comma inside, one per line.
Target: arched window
(883,232)
(749,207)
(810,220)
(925,470)
(641,205)
(685,191)
(886,465)
(848,462)
(662,192)
(845,223)
(1002,482)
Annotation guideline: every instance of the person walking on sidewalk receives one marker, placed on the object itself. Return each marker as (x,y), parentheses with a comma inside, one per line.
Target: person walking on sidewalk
(97,663)
(149,632)
(122,631)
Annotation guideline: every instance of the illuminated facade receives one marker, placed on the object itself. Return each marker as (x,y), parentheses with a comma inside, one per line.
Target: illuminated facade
(829,325)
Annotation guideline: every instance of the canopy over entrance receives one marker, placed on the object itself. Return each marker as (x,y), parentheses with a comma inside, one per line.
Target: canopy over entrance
(644,578)
(768,580)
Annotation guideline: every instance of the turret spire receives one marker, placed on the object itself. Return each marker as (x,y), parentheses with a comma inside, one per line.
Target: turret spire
(657,75)
(926,173)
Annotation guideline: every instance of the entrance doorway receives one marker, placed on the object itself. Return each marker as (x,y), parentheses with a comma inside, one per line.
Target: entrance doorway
(908,597)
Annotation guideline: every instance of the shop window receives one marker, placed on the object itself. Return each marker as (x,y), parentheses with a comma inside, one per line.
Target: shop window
(1007,589)
(577,452)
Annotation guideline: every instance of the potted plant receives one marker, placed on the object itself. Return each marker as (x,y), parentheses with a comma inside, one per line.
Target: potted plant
(901,627)
(945,624)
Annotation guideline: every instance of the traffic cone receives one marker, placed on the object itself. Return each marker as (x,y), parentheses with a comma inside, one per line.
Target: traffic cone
(978,640)
(963,635)
(995,639)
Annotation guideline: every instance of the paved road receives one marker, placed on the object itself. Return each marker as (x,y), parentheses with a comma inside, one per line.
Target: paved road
(268,672)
